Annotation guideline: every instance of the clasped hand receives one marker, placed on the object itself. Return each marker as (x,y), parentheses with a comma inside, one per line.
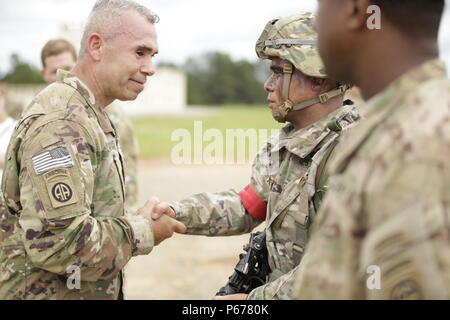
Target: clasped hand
(162,219)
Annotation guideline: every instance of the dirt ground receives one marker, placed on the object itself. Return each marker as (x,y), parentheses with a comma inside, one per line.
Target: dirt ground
(185,267)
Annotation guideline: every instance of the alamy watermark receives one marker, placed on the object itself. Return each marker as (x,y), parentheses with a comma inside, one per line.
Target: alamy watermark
(74,279)
(374,21)
(374,278)
(215,147)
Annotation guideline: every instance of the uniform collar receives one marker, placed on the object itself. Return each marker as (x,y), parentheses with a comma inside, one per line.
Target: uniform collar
(67,78)
(378,108)
(303,141)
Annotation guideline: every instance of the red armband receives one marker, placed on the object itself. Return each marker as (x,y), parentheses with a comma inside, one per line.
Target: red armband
(253,203)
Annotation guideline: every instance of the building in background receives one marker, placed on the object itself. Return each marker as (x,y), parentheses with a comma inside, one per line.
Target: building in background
(164,93)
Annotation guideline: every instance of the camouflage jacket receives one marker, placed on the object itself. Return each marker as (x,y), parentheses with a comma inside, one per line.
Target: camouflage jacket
(281,190)
(383,228)
(63,187)
(128,144)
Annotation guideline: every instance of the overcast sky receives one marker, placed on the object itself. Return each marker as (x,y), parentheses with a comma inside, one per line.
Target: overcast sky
(187,27)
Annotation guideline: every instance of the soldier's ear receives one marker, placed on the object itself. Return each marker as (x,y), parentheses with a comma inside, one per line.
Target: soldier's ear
(95,46)
(356,15)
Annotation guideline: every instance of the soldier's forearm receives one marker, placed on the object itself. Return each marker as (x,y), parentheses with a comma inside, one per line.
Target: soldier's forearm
(218,214)
(281,288)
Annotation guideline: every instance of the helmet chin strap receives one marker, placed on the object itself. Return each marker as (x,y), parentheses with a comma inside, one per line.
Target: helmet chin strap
(280,113)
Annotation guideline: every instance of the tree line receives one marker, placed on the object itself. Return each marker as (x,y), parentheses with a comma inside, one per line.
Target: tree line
(212,78)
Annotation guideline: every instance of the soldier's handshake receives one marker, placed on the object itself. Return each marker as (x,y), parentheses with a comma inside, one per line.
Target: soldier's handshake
(163,226)
(161,208)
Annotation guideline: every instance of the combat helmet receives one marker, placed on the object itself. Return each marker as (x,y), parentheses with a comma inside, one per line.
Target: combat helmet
(294,40)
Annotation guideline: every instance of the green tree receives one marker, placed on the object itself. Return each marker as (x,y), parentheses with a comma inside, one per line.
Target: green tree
(214,78)
(22,72)
(249,90)
(165,64)
(196,72)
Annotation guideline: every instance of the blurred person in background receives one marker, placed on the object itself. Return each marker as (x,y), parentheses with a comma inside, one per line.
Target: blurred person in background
(6,127)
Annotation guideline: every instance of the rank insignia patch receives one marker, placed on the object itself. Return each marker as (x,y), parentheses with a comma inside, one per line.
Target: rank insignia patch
(52,159)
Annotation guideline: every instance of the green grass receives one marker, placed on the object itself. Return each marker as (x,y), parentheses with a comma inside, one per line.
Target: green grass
(154,133)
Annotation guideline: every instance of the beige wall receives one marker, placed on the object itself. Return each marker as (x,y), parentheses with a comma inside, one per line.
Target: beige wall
(164,93)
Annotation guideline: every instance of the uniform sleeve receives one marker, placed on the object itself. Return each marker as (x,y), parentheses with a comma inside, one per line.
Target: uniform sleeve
(229,212)
(56,193)
(219,214)
(278,289)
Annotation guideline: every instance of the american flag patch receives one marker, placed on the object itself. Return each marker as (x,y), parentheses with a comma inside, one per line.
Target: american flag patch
(49,160)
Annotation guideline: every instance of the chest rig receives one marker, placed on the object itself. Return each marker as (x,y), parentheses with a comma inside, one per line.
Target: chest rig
(294,199)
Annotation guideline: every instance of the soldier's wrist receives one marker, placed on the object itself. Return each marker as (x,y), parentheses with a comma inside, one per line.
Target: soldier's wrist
(143,238)
(176,209)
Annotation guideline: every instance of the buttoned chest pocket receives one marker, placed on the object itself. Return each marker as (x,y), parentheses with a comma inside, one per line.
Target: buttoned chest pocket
(108,192)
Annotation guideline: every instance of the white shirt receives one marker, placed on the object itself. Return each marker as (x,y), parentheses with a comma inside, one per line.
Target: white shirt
(6,131)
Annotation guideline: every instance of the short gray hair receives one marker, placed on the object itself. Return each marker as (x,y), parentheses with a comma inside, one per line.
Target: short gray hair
(105,11)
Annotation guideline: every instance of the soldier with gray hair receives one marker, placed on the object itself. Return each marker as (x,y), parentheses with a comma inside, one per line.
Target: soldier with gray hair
(60,54)
(104,19)
(65,234)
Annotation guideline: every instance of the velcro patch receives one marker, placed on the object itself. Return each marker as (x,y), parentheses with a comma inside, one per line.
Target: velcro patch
(52,159)
(60,188)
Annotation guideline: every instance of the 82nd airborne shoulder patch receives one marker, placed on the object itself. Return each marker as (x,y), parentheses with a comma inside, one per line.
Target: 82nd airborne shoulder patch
(60,187)
(62,192)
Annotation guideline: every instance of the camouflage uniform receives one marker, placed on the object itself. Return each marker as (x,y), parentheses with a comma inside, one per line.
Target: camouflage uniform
(283,184)
(283,198)
(64,190)
(130,149)
(387,206)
